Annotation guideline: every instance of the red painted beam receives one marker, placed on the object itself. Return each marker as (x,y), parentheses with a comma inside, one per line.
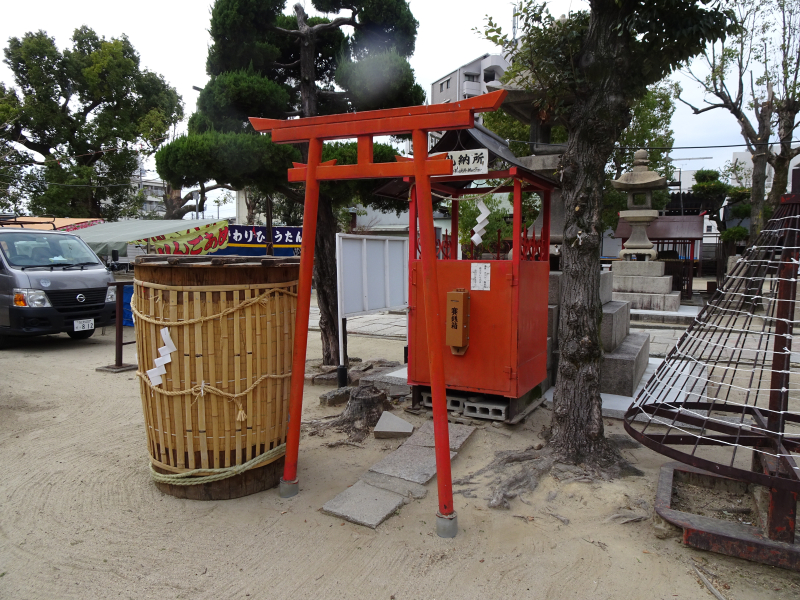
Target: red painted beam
(370,171)
(462,119)
(482,103)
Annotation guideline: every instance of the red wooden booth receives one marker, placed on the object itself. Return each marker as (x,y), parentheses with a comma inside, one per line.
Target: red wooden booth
(505,353)
(513,337)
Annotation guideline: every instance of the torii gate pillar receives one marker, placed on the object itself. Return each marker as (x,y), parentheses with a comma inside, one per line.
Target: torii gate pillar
(417,120)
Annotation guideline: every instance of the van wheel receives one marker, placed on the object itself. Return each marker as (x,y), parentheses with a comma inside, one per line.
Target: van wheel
(5,342)
(81,335)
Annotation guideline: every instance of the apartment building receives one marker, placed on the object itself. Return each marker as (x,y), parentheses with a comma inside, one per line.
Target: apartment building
(468,80)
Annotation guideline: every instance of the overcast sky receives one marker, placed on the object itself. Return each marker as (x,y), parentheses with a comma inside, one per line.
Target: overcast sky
(172,39)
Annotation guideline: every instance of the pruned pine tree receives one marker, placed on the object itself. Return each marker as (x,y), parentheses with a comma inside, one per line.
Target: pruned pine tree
(267,63)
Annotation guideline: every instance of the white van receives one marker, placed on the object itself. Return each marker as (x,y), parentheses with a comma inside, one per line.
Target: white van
(52,282)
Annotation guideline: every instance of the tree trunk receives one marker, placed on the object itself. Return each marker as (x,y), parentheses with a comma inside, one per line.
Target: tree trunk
(308,71)
(758,193)
(759,177)
(325,281)
(577,426)
(787,113)
(780,179)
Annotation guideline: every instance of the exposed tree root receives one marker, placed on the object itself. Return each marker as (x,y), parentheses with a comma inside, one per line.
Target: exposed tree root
(520,472)
(360,414)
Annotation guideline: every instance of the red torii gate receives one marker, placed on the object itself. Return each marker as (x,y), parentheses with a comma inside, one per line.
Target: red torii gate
(418,121)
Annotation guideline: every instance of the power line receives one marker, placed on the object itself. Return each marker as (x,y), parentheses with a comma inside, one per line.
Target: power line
(665,147)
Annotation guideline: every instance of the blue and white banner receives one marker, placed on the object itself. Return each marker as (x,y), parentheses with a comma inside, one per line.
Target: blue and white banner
(251,240)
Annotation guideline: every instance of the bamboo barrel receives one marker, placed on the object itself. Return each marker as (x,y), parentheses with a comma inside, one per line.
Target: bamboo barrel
(221,410)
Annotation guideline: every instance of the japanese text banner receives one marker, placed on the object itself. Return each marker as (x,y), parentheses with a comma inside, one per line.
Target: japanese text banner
(192,242)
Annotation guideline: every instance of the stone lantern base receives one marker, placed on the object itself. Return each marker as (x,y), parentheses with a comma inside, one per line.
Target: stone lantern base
(638,243)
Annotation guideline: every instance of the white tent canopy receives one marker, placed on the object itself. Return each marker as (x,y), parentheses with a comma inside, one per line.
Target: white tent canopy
(105,237)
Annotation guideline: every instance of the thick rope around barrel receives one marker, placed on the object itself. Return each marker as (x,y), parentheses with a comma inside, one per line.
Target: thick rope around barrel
(200,389)
(190,478)
(260,299)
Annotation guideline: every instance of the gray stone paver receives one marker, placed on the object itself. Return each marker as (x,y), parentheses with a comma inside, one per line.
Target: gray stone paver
(412,463)
(424,435)
(392,426)
(364,504)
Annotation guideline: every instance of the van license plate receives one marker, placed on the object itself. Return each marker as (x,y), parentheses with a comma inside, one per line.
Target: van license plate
(84,324)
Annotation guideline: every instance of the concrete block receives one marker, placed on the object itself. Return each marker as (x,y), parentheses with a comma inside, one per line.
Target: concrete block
(621,370)
(335,397)
(356,377)
(615,325)
(397,392)
(495,410)
(663,302)
(330,378)
(385,378)
(364,504)
(552,321)
(454,403)
(395,484)
(392,426)
(424,436)
(549,353)
(637,268)
(554,288)
(412,463)
(606,286)
(643,285)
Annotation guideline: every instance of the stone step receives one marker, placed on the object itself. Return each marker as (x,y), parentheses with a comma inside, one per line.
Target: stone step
(554,288)
(665,302)
(643,285)
(615,326)
(621,370)
(552,321)
(606,286)
(637,268)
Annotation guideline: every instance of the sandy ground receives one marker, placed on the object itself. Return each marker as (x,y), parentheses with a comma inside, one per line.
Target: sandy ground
(79,517)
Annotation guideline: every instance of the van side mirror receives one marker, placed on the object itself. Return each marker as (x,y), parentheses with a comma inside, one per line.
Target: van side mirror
(115,256)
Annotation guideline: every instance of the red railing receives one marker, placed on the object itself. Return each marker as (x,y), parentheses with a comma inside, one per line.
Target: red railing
(532,248)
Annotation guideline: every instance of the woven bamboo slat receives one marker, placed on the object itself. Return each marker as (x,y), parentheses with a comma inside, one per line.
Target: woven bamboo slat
(244,353)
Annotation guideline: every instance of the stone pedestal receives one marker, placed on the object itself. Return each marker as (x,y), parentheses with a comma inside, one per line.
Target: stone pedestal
(625,354)
(638,244)
(644,285)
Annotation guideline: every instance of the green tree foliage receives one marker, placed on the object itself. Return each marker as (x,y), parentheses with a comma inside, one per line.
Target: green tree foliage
(713,191)
(587,71)
(650,127)
(86,111)
(754,76)
(264,63)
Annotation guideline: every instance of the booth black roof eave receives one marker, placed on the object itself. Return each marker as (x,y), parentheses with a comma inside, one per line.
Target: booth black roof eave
(469,139)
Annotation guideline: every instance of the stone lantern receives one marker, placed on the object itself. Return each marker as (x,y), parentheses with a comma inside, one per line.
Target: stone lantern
(640,181)
(642,282)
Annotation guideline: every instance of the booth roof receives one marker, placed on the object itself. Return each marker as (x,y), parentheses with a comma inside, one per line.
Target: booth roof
(49,223)
(105,237)
(462,139)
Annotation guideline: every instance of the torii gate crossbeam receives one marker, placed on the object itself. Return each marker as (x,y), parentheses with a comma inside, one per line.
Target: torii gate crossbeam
(418,121)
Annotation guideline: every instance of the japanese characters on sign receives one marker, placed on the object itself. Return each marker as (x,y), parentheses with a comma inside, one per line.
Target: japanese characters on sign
(458,314)
(247,235)
(480,276)
(192,242)
(470,162)
(287,237)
